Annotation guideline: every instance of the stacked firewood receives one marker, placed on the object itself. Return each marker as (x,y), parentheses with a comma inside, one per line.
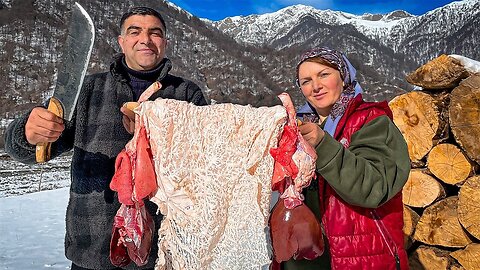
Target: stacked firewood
(441,124)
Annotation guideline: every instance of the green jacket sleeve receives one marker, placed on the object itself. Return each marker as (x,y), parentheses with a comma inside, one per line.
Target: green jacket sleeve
(372,169)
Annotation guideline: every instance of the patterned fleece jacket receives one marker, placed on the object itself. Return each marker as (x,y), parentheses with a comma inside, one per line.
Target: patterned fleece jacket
(96,135)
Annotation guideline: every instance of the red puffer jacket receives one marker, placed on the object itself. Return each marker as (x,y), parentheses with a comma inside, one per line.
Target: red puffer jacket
(362,238)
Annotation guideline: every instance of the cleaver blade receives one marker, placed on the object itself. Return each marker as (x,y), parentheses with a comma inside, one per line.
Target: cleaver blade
(71,70)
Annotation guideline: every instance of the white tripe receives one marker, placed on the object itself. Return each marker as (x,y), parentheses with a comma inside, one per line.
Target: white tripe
(214,173)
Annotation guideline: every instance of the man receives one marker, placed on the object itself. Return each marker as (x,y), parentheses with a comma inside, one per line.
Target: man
(99,131)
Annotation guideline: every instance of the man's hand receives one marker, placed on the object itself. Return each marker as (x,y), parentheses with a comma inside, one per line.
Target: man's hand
(43,126)
(312,133)
(127,108)
(128,119)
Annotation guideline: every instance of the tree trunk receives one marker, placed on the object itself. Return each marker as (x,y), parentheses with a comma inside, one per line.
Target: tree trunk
(469,206)
(448,163)
(421,189)
(469,257)
(439,225)
(464,115)
(417,115)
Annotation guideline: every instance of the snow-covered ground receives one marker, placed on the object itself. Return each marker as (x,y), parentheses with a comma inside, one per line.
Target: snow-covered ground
(17,178)
(32,223)
(33,227)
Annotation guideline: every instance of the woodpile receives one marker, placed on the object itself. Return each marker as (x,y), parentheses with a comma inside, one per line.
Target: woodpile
(441,124)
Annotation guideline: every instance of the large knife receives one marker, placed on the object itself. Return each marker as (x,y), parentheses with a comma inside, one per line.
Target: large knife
(70,71)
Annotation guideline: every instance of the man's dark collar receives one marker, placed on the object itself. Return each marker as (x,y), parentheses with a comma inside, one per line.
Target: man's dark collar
(144,74)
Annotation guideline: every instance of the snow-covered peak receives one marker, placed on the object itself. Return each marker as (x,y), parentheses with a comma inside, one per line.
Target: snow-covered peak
(396,15)
(179,9)
(392,16)
(257,29)
(261,29)
(440,20)
(372,17)
(389,29)
(456,6)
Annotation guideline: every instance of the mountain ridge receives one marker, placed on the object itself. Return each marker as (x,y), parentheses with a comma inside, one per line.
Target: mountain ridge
(266,25)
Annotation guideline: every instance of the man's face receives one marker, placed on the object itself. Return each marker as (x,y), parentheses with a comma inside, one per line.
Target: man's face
(143,42)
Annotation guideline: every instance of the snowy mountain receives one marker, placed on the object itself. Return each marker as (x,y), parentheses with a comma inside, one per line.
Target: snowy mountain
(453,28)
(383,47)
(245,60)
(391,29)
(267,28)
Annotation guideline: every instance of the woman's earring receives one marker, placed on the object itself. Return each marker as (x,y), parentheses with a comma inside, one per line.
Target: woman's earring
(343,83)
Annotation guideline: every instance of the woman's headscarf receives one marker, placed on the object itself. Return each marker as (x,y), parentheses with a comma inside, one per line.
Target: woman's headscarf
(351,87)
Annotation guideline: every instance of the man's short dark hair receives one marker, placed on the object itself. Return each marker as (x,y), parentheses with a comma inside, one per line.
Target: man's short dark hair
(142,11)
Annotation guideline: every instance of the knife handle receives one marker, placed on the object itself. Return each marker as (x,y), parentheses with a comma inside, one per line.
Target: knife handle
(42,150)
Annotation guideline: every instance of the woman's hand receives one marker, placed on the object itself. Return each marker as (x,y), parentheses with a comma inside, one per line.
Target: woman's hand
(312,133)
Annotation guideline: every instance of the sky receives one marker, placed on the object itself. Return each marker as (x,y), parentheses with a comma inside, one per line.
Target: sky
(217,10)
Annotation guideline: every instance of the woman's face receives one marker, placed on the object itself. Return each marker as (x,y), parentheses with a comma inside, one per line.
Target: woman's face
(321,85)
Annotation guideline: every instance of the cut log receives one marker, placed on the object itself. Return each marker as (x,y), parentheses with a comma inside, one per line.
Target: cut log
(469,257)
(430,258)
(464,115)
(442,100)
(439,73)
(417,115)
(410,220)
(457,267)
(469,206)
(472,66)
(421,189)
(418,164)
(439,225)
(448,163)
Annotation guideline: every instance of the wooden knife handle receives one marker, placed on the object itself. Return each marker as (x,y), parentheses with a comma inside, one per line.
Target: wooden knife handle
(42,150)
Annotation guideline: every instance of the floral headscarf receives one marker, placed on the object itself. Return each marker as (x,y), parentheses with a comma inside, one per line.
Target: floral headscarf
(347,72)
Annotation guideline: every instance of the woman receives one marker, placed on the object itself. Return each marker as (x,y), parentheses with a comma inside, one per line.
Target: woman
(361,168)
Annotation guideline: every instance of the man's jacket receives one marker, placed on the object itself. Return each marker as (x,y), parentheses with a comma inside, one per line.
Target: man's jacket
(96,135)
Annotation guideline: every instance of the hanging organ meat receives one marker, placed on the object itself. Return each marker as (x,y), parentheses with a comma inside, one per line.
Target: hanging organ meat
(213,175)
(296,233)
(134,181)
